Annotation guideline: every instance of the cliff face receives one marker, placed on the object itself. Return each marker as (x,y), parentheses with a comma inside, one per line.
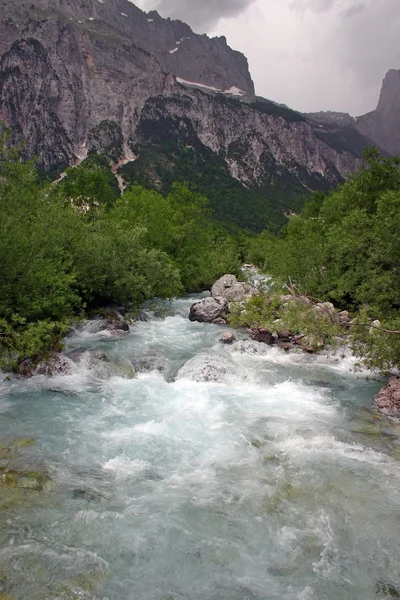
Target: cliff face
(254,138)
(173,43)
(58,82)
(81,75)
(383,124)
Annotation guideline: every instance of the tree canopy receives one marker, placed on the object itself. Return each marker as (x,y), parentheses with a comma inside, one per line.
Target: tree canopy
(71,246)
(344,247)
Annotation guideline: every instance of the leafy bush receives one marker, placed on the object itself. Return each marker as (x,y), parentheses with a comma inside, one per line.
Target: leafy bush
(344,247)
(76,245)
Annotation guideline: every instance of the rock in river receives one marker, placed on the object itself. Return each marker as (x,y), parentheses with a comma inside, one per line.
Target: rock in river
(227,338)
(233,290)
(208,309)
(387,400)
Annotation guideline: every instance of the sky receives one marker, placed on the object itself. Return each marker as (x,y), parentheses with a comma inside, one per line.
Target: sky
(309,54)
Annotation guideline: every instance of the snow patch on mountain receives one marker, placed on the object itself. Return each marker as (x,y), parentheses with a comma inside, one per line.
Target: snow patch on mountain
(195,84)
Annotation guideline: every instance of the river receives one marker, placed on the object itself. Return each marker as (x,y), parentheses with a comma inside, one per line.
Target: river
(218,473)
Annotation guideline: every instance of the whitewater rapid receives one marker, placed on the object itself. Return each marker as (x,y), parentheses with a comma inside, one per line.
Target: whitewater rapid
(217,473)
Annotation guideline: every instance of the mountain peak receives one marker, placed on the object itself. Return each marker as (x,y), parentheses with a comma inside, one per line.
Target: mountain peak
(383,124)
(178,49)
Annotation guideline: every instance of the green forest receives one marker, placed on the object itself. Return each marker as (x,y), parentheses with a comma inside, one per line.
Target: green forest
(344,248)
(70,247)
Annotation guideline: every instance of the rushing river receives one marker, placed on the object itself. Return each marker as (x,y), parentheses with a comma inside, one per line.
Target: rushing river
(218,473)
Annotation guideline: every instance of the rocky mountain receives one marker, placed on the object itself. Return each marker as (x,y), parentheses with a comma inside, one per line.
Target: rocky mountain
(329,117)
(383,124)
(162,103)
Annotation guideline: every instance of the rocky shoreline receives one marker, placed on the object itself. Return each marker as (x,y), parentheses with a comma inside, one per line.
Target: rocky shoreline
(228,292)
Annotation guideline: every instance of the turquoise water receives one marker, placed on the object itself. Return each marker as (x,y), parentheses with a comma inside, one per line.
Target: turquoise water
(219,472)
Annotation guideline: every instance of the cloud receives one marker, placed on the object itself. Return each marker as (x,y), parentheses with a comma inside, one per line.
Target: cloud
(354,10)
(309,54)
(200,14)
(318,6)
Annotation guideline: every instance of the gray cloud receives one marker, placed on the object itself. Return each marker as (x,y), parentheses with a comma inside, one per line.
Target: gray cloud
(353,10)
(318,6)
(201,14)
(309,54)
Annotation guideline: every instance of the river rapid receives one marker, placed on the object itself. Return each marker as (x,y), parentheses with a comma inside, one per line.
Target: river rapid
(218,473)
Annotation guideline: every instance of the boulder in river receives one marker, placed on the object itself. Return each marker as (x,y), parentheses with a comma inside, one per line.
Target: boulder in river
(208,309)
(57,365)
(115,326)
(387,401)
(261,335)
(233,290)
(227,338)
(54,365)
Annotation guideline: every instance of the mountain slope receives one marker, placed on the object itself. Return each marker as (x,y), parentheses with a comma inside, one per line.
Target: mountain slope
(78,76)
(383,124)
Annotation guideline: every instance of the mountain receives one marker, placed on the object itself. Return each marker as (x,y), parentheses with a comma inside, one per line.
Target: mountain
(380,126)
(163,103)
(383,124)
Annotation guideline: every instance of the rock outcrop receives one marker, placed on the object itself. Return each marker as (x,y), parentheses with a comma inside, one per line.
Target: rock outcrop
(387,401)
(178,50)
(209,310)
(233,290)
(383,124)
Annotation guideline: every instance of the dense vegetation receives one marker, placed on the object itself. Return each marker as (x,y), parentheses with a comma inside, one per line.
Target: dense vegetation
(174,153)
(70,247)
(74,246)
(345,248)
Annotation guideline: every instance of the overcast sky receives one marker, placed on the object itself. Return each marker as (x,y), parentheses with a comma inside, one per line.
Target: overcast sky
(309,54)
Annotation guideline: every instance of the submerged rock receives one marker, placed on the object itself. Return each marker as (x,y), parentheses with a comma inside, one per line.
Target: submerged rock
(88,495)
(384,589)
(32,480)
(55,365)
(387,401)
(262,335)
(58,365)
(115,326)
(220,321)
(208,309)
(233,290)
(104,365)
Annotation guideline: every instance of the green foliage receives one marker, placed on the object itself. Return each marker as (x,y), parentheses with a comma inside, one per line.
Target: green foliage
(77,245)
(20,339)
(343,139)
(260,311)
(280,315)
(345,248)
(179,224)
(89,184)
(271,108)
(235,206)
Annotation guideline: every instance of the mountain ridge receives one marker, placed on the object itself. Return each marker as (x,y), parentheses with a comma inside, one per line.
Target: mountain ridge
(71,85)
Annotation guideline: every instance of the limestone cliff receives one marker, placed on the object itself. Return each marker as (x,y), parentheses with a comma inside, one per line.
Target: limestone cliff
(81,75)
(383,124)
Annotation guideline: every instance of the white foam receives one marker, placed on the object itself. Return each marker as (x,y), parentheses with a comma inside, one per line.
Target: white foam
(174,50)
(123,465)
